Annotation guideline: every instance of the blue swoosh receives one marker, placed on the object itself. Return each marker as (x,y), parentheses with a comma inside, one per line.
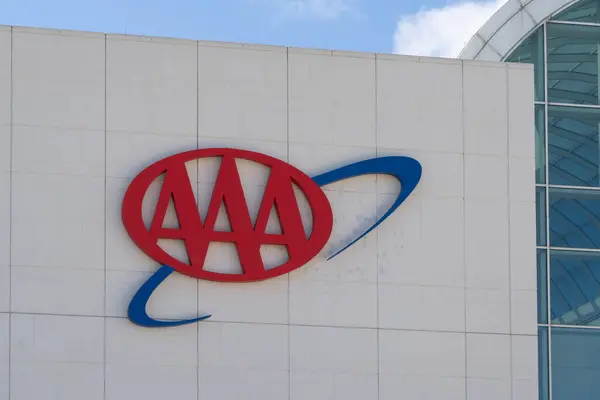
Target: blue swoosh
(407,170)
(137,307)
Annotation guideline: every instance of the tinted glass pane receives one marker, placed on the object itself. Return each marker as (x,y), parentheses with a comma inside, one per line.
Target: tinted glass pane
(543,363)
(575,288)
(575,364)
(573,150)
(575,218)
(531,51)
(584,11)
(542,285)
(540,142)
(573,63)
(540,211)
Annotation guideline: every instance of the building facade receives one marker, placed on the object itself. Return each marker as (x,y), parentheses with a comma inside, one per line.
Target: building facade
(561,39)
(438,302)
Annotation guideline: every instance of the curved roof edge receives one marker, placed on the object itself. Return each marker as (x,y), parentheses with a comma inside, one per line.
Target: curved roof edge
(510,25)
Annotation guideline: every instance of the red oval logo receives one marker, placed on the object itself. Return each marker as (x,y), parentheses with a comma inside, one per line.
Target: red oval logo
(248,237)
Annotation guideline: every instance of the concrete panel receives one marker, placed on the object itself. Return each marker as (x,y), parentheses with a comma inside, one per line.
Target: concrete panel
(262,302)
(244,346)
(5,75)
(397,308)
(487,252)
(131,345)
(5,189)
(333,349)
(4,355)
(521,111)
(58,79)
(5,148)
(58,221)
(523,312)
(486,177)
(63,355)
(522,179)
(42,150)
(127,154)
(419,105)
(331,94)
(523,264)
(242,93)
(150,382)
(425,354)
(422,243)
(151,86)
(420,387)
(488,356)
(62,291)
(488,310)
(485,109)
(243,384)
(352,304)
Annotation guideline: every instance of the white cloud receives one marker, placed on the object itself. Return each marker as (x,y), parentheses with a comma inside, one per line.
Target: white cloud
(320,9)
(442,32)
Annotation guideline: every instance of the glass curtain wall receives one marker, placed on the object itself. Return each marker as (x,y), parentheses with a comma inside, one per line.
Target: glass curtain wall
(565,53)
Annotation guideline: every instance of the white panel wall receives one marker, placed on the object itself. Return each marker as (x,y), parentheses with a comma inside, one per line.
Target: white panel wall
(439,302)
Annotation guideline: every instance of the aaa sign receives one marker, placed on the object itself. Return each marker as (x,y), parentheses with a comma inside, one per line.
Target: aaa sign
(247,237)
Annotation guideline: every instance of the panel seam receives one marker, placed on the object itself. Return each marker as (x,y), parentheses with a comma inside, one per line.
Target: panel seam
(508,182)
(464,222)
(105,212)
(10,213)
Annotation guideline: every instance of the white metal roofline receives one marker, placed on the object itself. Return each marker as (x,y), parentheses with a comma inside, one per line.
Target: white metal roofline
(509,26)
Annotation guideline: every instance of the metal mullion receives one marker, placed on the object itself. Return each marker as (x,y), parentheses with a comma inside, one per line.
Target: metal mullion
(547,211)
(588,327)
(589,188)
(574,249)
(575,23)
(590,106)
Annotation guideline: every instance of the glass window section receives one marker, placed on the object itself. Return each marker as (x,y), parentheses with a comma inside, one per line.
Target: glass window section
(543,356)
(575,288)
(575,364)
(583,11)
(573,149)
(540,144)
(573,63)
(574,218)
(531,51)
(540,212)
(542,283)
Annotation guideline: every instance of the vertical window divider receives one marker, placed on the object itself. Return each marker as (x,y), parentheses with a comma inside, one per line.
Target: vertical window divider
(547,216)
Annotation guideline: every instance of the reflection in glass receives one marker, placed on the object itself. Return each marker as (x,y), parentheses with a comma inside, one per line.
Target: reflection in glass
(583,11)
(543,363)
(542,285)
(573,150)
(575,364)
(531,51)
(575,288)
(575,218)
(540,215)
(540,144)
(573,63)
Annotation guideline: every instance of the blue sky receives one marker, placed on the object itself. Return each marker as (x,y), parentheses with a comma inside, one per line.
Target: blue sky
(364,25)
